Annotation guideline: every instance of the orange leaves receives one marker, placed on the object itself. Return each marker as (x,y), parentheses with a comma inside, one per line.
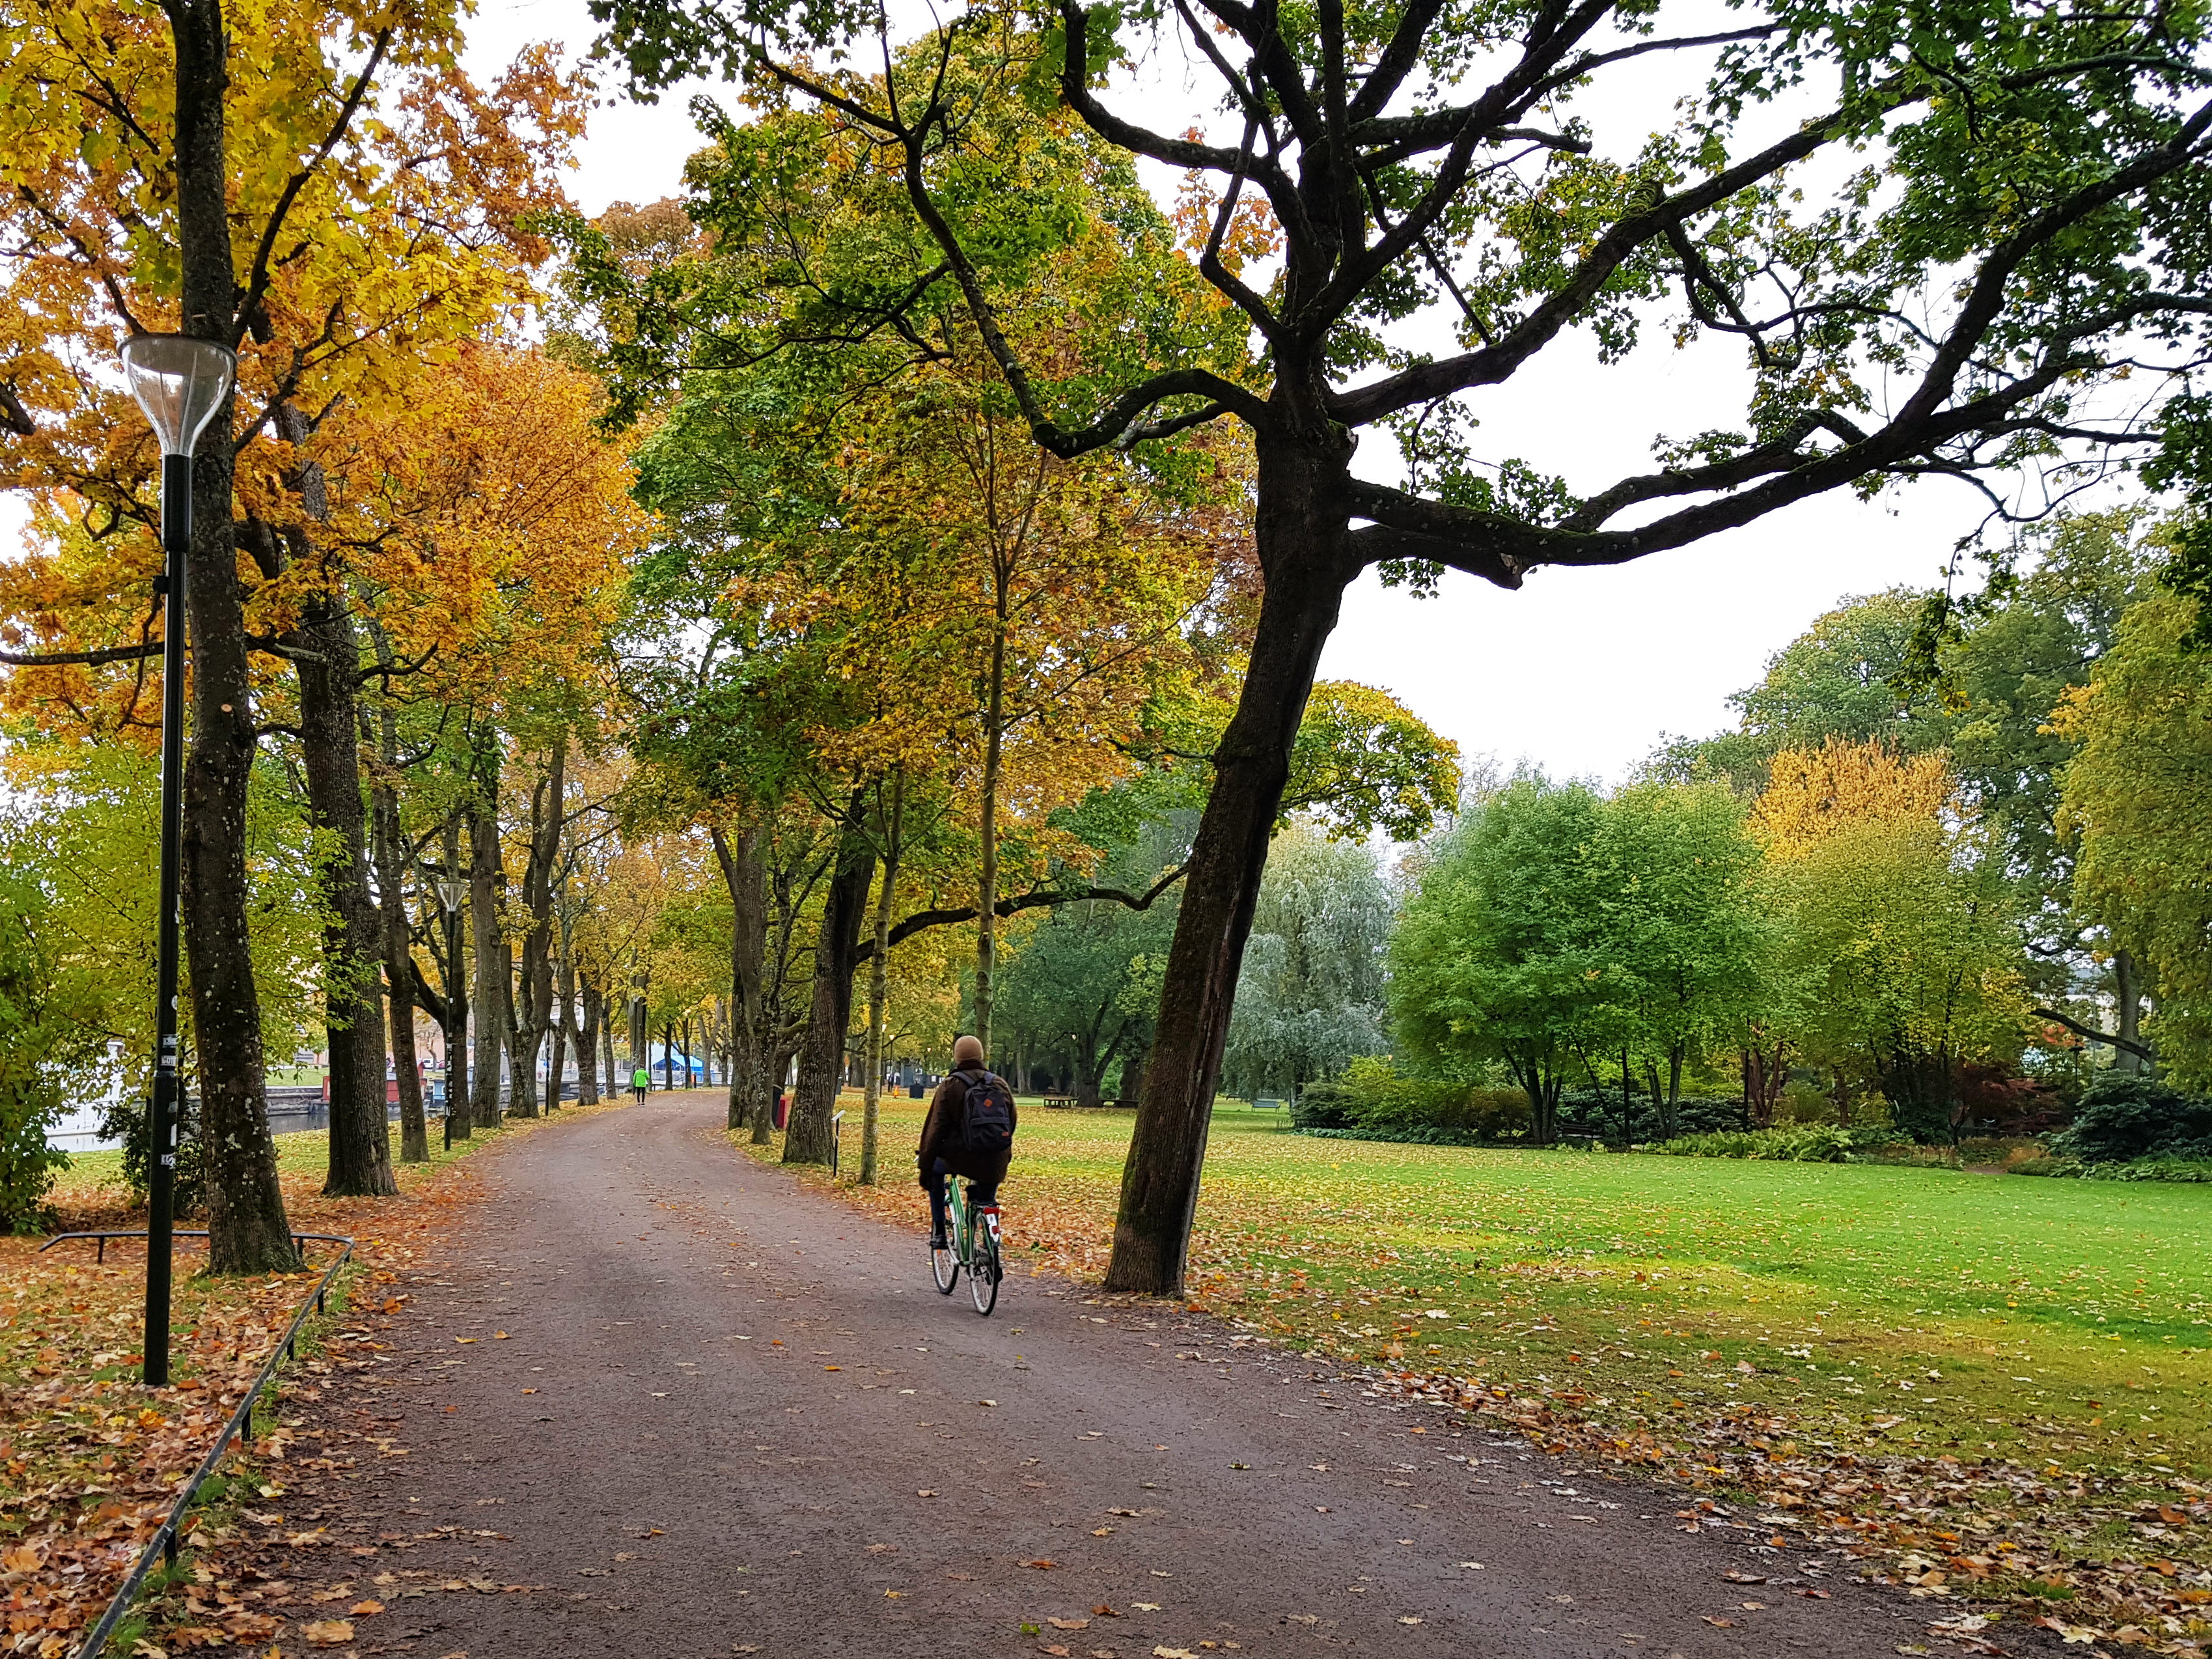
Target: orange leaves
(367,249)
(489,518)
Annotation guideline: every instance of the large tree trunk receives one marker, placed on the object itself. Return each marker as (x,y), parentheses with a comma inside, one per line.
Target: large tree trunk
(390,842)
(594,1004)
(1300,529)
(353,942)
(450,930)
(2127,994)
(745,872)
(556,1058)
(247,1230)
(837,954)
(1133,1077)
(487,936)
(533,1011)
(987,885)
(879,984)
(616,1082)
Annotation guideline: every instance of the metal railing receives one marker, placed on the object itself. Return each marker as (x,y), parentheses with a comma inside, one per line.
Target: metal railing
(100,1254)
(165,1540)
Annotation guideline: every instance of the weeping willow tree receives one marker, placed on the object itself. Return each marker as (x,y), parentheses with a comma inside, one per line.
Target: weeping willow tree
(1311,998)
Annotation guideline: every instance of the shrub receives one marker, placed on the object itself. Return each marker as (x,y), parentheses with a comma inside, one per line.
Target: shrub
(2196,1167)
(1597,1112)
(1813,1143)
(1376,1101)
(40,1039)
(2125,1116)
(1417,1137)
(126,1121)
(1321,1106)
(27,1106)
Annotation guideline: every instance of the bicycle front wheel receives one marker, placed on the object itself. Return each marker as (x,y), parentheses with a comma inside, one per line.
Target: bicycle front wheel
(984,1272)
(945,1266)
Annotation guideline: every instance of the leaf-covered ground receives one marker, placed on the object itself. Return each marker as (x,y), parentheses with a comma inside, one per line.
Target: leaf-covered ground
(90,1460)
(1997,1384)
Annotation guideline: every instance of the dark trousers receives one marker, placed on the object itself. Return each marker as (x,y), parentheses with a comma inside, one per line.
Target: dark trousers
(978,1193)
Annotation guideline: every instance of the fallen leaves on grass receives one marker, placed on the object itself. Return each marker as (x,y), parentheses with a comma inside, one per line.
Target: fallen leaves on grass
(1937,1526)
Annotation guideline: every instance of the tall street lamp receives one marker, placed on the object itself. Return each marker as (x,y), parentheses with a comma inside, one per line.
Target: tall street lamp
(451,891)
(180,383)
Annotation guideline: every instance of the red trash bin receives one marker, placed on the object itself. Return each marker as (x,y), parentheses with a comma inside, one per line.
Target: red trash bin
(782,1109)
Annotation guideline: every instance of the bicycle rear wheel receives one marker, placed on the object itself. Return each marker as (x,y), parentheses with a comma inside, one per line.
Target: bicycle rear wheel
(983,1271)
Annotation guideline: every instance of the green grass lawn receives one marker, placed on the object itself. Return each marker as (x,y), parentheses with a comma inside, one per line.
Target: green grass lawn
(93,1180)
(1972,1314)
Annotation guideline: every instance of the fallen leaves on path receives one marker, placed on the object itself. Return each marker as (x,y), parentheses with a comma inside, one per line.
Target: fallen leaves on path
(91,1461)
(2126,1557)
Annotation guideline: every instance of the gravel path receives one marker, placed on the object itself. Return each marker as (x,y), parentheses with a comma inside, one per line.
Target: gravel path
(728,1416)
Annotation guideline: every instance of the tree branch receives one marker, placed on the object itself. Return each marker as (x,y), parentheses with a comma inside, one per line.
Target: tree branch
(1428,382)
(257,284)
(1036,898)
(81,658)
(2095,1036)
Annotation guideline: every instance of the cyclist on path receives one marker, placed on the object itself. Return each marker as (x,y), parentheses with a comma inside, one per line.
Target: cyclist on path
(968,1133)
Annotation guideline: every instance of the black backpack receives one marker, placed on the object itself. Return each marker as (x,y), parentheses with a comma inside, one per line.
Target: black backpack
(988,1126)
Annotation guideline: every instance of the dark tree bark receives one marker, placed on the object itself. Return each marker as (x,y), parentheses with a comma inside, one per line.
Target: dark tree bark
(593,1004)
(810,1133)
(390,840)
(353,941)
(745,873)
(556,1058)
(247,1230)
(1302,512)
(640,1044)
(452,941)
(487,941)
(2127,995)
(532,1015)
(616,1081)
(1766,1074)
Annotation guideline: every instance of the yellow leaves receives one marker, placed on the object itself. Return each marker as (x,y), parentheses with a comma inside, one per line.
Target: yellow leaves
(368,260)
(491,519)
(1813,793)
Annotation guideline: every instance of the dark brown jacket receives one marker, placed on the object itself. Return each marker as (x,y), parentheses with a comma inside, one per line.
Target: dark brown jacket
(941,1136)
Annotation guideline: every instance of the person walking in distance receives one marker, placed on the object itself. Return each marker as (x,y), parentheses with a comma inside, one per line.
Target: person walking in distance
(968,1133)
(640,1081)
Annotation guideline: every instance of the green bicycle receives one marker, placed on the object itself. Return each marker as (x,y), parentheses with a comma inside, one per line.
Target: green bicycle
(972,1244)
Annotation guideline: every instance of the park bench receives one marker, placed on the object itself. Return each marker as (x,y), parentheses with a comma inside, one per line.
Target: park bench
(1059,1103)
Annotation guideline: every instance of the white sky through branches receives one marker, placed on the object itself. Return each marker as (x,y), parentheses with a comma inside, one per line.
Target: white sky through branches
(1581,672)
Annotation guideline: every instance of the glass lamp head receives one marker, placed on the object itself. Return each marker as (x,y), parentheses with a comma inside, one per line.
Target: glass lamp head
(180,381)
(452,892)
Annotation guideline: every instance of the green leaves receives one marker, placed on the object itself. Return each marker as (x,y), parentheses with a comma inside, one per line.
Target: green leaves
(1364,762)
